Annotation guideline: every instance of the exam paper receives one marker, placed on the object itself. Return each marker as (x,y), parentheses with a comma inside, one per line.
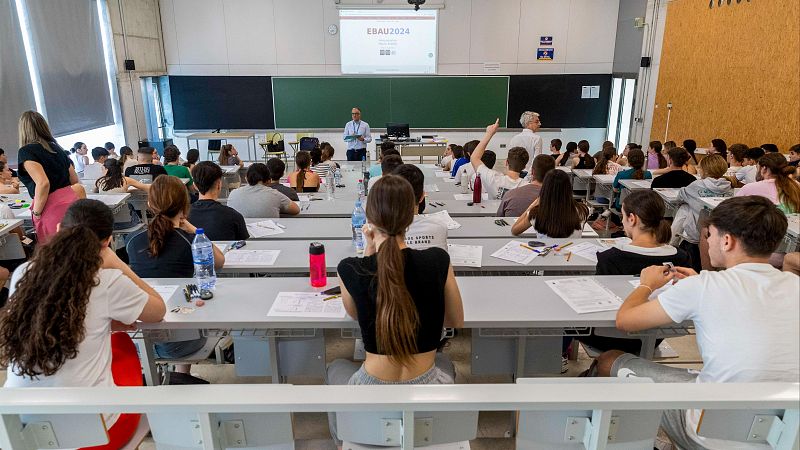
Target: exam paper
(306,304)
(587,250)
(303,198)
(655,293)
(442,174)
(431,188)
(264,228)
(166,291)
(444,217)
(585,295)
(468,197)
(449,180)
(515,252)
(251,258)
(613,242)
(465,255)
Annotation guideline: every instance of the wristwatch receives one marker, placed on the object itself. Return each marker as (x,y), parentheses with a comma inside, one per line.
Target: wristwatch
(35,214)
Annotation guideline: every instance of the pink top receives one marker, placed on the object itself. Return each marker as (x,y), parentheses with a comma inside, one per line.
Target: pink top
(764,188)
(652,160)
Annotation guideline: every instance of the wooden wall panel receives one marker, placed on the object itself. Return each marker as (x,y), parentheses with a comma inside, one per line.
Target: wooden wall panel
(731,72)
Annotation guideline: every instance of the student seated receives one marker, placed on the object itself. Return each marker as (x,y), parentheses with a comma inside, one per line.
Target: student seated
(567,157)
(466,168)
(718,147)
(554,214)
(4,159)
(607,164)
(220,222)
(655,160)
(745,316)
(749,173)
(79,278)
(494,183)
(326,164)
(636,171)
(517,200)
(675,176)
(555,148)
(113,182)
(424,232)
(173,166)
(770,148)
(8,185)
(794,155)
(165,250)
(126,158)
(735,159)
(145,165)
(776,183)
(447,157)
(402,298)
(229,156)
(192,155)
(712,184)
(95,170)
(388,164)
(111,149)
(257,199)
(376,170)
(583,160)
(276,169)
(303,179)
(459,159)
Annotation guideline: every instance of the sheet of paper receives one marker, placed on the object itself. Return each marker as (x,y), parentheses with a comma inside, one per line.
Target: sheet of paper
(251,258)
(444,217)
(515,252)
(587,250)
(585,295)
(442,174)
(468,197)
(264,228)
(431,188)
(656,293)
(449,180)
(465,255)
(613,242)
(222,247)
(166,291)
(306,304)
(303,198)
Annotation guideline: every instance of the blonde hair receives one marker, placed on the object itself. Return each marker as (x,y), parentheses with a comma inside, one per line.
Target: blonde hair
(713,166)
(33,129)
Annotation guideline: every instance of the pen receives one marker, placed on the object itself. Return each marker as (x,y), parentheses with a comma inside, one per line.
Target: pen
(559,248)
(280,225)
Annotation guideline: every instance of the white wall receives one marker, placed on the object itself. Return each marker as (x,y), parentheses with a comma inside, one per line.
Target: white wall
(290,37)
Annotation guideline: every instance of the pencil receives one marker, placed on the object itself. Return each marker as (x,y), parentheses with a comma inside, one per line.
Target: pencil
(529,248)
(558,249)
(331,297)
(569,255)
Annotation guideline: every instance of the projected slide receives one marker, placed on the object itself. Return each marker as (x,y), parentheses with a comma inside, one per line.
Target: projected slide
(388,41)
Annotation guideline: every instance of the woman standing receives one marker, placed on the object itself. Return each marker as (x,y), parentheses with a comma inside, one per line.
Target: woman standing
(46,172)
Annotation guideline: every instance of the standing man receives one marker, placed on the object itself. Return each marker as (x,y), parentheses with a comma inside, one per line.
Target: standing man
(528,139)
(357,136)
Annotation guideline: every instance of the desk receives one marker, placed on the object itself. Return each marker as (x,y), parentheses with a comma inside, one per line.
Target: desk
(10,245)
(293,258)
(338,228)
(113,201)
(422,148)
(344,208)
(629,186)
(197,137)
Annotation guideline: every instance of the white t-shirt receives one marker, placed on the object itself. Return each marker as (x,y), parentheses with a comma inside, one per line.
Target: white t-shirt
(747,330)
(115,297)
(372,181)
(495,183)
(426,232)
(465,168)
(6,212)
(93,171)
(531,142)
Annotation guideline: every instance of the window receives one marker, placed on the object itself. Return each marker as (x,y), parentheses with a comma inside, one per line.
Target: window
(621,111)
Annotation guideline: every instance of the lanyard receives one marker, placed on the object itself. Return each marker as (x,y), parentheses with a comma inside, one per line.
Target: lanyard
(355,132)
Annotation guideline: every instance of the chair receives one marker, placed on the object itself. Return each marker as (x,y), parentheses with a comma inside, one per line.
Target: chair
(180,430)
(579,429)
(214,146)
(432,430)
(308,143)
(776,427)
(273,146)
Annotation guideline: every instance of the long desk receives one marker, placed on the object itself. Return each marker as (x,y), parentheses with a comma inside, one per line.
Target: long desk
(510,316)
(344,208)
(335,228)
(197,137)
(293,258)
(421,148)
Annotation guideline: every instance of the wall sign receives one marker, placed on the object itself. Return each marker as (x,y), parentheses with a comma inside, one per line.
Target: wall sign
(545,40)
(545,54)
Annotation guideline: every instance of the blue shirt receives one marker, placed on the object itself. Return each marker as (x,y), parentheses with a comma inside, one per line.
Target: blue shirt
(456,164)
(361,129)
(375,171)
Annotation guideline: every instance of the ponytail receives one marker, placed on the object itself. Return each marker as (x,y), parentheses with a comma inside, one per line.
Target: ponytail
(636,160)
(788,189)
(300,182)
(649,207)
(157,232)
(663,232)
(606,156)
(43,324)
(167,199)
(302,161)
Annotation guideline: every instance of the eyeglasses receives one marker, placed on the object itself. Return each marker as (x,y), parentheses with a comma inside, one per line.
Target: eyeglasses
(355,114)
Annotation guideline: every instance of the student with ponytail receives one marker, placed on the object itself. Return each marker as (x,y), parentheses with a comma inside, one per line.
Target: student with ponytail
(57,328)
(402,298)
(607,165)
(583,160)
(303,179)
(775,183)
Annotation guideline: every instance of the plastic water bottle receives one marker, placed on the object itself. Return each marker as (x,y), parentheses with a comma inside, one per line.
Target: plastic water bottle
(363,164)
(337,177)
(358,220)
(464,182)
(331,184)
(203,256)
(361,189)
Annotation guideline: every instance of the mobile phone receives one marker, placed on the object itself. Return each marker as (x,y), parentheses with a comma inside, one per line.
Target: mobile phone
(536,244)
(333,291)
(238,244)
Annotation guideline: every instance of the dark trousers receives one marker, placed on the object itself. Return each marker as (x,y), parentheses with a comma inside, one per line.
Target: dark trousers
(356,155)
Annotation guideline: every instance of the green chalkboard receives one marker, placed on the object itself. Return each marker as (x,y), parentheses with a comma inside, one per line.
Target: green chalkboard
(422,102)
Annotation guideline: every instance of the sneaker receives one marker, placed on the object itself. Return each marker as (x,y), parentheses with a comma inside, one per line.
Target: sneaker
(564,364)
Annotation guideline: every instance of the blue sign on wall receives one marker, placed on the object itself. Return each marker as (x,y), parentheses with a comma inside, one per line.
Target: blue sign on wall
(545,54)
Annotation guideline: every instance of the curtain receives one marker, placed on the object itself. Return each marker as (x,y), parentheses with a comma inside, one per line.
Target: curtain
(15,80)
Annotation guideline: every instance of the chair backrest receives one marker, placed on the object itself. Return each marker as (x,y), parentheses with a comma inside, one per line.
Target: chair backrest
(146,179)
(57,431)
(386,428)
(308,143)
(214,144)
(766,426)
(231,430)
(572,429)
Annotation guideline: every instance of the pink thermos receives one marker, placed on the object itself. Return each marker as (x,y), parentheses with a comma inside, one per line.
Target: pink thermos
(316,265)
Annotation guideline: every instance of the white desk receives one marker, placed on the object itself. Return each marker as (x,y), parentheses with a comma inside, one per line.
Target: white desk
(344,208)
(197,137)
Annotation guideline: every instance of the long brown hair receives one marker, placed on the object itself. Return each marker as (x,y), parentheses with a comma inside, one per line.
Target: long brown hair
(558,215)
(33,129)
(606,155)
(636,161)
(788,189)
(302,161)
(649,207)
(113,177)
(167,198)
(224,154)
(390,209)
(43,324)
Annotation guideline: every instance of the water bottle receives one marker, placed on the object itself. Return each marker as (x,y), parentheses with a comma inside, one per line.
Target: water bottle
(317,269)
(358,220)
(331,184)
(363,164)
(464,182)
(476,189)
(337,177)
(203,257)
(361,189)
